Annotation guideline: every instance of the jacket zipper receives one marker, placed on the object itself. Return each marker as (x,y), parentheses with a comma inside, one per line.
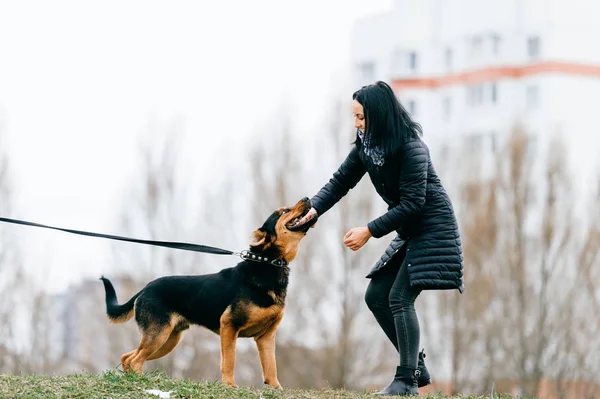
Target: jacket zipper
(380,177)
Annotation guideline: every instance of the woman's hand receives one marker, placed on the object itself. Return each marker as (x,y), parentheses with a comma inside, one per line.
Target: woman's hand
(357,237)
(308,217)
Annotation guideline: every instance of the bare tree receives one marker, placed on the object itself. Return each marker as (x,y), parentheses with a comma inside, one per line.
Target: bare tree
(525,255)
(161,211)
(155,209)
(325,300)
(41,354)
(450,314)
(573,357)
(355,356)
(155,205)
(12,277)
(529,312)
(275,174)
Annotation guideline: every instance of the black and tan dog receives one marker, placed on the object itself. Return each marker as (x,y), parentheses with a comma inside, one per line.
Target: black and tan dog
(246,300)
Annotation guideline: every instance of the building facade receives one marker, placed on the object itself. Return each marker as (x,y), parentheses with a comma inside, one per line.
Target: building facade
(470,70)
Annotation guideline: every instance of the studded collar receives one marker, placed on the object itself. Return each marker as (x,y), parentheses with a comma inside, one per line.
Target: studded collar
(247,255)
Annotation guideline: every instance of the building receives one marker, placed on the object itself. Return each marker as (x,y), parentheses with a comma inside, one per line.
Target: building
(469,70)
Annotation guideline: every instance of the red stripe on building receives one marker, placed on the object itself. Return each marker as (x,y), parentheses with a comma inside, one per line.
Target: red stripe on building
(497,73)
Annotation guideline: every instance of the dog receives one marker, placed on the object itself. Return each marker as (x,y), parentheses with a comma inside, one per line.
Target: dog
(246,300)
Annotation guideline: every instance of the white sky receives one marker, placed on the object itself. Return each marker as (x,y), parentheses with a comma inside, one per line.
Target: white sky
(81,80)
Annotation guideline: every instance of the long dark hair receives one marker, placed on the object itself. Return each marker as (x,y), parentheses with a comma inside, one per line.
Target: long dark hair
(386,121)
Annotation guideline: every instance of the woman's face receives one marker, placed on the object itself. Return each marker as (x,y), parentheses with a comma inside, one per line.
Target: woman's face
(359,115)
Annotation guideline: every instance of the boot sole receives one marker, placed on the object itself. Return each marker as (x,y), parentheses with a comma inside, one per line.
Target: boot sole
(424,383)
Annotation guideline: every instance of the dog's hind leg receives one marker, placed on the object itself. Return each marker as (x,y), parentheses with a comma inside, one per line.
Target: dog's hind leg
(168,346)
(266,352)
(152,340)
(125,360)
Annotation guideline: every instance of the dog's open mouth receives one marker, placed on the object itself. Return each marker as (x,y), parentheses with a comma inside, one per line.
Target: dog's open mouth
(302,222)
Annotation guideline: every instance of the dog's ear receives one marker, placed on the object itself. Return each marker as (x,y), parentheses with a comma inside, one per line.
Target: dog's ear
(259,237)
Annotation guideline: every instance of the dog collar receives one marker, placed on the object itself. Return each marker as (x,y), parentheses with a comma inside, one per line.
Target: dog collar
(246,255)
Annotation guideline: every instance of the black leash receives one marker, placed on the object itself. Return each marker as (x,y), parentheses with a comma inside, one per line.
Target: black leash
(168,244)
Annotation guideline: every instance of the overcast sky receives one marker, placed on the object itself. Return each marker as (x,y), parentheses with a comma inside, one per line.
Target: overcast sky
(80,81)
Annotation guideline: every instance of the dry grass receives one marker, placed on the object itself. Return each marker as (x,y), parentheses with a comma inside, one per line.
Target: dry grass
(115,384)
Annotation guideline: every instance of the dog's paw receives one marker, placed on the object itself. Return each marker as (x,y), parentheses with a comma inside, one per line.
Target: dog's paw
(275,385)
(230,383)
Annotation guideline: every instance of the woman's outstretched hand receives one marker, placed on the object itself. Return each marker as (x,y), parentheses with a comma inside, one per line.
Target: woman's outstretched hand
(357,237)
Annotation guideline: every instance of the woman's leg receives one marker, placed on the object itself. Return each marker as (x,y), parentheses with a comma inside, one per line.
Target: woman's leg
(402,304)
(377,298)
(396,314)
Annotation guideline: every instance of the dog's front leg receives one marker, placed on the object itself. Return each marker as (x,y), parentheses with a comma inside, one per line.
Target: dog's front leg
(228,337)
(266,352)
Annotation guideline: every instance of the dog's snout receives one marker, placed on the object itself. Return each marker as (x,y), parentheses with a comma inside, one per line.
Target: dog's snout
(305,199)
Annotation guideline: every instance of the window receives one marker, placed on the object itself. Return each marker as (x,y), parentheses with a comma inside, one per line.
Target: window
(482,93)
(412,107)
(493,92)
(496,40)
(366,71)
(493,141)
(412,60)
(470,95)
(482,142)
(533,47)
(532,97)
(478,94)
(397,61)
(446,107)
(475,94)
(476,44)
(448,58)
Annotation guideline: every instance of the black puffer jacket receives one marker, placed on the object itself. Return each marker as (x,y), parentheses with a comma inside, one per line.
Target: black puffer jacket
(419,210)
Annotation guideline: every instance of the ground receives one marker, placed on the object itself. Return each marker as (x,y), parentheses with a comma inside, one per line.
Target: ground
(115,384)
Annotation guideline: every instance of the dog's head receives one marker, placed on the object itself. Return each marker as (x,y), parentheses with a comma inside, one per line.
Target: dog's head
(280,235)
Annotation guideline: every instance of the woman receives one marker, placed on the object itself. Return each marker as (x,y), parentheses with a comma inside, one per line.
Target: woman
(426,252)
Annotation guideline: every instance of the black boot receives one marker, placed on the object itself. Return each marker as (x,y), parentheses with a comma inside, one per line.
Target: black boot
(424,378)
(404,384)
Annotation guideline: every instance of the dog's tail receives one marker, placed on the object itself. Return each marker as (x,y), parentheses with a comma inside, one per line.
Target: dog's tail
(115,312)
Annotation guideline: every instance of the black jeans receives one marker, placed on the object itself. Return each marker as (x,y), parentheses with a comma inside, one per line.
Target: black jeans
(392,300)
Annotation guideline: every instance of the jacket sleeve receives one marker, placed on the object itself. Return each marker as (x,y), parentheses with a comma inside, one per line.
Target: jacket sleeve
(413,185)
(345,178)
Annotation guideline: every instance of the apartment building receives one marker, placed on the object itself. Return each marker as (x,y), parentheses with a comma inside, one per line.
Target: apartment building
(469,70)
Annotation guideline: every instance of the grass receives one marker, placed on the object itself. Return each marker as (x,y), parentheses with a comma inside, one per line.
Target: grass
(115,384)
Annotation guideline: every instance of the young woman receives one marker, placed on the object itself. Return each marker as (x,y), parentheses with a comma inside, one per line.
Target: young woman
(426,253)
